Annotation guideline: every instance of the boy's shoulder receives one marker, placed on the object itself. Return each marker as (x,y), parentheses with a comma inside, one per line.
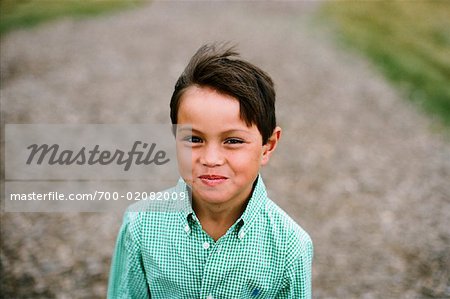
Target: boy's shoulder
(273,220)
(284,230)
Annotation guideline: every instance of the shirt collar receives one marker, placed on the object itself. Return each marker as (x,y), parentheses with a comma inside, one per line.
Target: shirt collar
(243,224)
(251,212)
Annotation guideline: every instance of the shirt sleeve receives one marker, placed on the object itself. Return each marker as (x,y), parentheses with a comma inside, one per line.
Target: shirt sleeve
(298,275)
(127,274)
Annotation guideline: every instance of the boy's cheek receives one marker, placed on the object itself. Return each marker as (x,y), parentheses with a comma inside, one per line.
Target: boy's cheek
(185,162)
(185,169)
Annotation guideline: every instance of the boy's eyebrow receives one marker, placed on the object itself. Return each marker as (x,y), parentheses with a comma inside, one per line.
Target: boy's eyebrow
(193,130)
(181,129)
(234,130)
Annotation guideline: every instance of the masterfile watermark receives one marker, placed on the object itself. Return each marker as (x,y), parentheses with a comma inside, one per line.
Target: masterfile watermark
(100,196)
(123,161)
(54,155)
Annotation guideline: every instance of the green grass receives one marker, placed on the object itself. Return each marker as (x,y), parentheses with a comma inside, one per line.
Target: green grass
(26,13)
(408,40)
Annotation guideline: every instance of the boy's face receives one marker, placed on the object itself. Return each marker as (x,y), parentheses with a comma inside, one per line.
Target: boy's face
(226,154)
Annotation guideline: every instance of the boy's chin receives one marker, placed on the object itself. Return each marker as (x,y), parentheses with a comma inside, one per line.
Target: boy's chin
(215,194)
(213,199)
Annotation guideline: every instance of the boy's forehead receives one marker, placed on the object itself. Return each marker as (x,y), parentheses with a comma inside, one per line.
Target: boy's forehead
(206,91)
(205,102)
(207,108)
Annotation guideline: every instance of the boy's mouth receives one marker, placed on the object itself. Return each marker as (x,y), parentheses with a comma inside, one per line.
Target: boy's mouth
(212,179)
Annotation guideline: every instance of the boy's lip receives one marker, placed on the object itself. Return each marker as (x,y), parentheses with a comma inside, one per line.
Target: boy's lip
(212,179)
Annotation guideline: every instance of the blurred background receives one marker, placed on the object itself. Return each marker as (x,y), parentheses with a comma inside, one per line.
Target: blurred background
(363,97)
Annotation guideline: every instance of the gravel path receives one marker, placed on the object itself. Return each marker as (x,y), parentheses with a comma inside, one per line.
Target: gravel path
(358,167)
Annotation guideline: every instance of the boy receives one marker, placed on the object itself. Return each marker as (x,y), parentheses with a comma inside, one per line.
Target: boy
(231,241)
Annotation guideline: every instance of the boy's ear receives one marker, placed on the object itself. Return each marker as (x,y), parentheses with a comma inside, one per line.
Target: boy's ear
(270,146)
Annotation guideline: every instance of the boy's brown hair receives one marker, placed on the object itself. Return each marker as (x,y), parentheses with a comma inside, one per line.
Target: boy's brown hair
(218,67)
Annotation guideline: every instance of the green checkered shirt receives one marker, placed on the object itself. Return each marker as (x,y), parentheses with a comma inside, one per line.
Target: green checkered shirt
(265,254)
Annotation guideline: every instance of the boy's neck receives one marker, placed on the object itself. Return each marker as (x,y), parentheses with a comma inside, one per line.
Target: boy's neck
(217,219)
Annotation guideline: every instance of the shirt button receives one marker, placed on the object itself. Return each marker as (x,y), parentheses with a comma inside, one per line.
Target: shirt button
(210,297)
(241,234)
(206,246)
(187,228)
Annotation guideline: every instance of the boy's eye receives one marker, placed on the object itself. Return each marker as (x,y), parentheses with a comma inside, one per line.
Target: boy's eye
(192,139)
(234,141)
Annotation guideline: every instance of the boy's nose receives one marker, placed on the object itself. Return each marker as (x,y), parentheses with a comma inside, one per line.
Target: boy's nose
(211,156)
